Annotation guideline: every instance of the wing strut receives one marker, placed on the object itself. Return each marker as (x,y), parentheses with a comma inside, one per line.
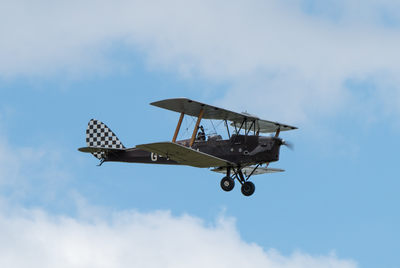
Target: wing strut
(196,127)
(277,132)
(227,129)
(178,127)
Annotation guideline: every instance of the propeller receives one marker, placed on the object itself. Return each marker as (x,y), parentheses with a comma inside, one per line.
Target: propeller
(287,144)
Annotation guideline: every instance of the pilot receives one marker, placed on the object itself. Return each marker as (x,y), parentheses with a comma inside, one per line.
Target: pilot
(201,136)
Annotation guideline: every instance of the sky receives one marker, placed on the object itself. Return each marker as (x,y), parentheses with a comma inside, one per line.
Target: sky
(331,68)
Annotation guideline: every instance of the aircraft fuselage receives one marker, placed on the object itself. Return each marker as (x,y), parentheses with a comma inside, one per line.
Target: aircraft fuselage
(243,150)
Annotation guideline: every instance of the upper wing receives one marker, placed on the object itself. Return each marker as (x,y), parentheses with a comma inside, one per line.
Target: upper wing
(193,108)
(264,126)
(247,170)
(184,155)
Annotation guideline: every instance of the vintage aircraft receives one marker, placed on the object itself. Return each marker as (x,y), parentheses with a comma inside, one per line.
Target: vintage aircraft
(239,157)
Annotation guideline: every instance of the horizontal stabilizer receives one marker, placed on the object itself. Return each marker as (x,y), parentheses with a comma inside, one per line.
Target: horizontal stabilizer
(184,155)
(100,150)
(247,170)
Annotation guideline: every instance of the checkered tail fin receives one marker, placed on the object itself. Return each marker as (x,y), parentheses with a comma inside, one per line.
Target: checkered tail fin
(98,135)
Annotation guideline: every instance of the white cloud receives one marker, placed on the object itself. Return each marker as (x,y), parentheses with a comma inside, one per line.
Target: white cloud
(100,238)
(266,50)
(32,238)
(29,172)
(9,164)
(372,12)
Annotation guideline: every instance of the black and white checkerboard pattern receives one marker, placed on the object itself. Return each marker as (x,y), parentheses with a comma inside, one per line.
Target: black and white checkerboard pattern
(99,135)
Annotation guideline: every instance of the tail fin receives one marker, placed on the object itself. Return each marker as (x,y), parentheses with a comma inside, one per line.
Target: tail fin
(100,136)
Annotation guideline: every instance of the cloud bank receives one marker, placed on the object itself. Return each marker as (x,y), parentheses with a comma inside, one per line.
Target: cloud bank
(300,54)
(33,238)
(97,237)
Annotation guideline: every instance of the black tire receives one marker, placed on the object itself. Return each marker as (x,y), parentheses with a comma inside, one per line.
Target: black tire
(248,188)
(227,184)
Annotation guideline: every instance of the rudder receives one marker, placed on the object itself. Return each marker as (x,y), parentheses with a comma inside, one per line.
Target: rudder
(100,136)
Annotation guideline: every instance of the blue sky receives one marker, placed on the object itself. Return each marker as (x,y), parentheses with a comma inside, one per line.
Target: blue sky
(331,69)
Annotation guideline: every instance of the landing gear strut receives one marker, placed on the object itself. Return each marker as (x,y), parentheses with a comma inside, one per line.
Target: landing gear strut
(248,187)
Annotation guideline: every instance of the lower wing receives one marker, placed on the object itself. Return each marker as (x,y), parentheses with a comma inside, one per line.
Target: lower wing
(185,155)
(248,170)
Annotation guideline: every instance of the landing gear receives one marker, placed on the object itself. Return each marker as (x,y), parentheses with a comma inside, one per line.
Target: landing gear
(227,184)
(248,188)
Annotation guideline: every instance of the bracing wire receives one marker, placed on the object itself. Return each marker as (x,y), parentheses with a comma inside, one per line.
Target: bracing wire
(215,127)
(188,124)
(215,131)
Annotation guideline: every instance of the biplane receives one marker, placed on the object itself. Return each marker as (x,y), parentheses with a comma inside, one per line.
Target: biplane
(239,157)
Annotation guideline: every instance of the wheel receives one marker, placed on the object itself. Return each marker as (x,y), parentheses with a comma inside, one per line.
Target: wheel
(248,188)
(227,184)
